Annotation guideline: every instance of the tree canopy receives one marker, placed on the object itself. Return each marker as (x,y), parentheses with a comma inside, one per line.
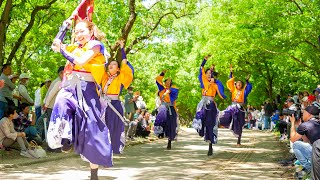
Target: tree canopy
(277,42)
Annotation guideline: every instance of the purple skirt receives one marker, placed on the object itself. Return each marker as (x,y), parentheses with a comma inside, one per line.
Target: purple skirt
(116,127)
(79,123)
(168,121)
(208,116)
(234,119)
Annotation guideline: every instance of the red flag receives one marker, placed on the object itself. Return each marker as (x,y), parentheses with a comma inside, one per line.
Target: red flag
(85,10)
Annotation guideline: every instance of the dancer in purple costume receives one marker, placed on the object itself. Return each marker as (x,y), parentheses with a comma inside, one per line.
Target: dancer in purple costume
(234,116)
(113,82)
(206,116)
(166,119)
(76,116)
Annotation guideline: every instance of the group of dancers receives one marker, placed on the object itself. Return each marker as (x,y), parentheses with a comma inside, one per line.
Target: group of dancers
(208,117)
(88,114)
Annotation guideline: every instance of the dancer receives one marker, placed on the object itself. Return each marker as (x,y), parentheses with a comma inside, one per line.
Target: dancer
(234,116)
(206,117)
(166,119)
(112,84)
(76,114)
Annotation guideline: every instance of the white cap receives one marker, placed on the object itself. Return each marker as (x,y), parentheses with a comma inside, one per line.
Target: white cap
(13,76)
(24,76)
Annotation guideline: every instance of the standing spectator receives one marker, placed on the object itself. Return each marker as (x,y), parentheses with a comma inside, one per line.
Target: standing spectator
(15,93)
(129,103)
(23,92)
(6,97)
(268,113)
(53,90)
(37,101)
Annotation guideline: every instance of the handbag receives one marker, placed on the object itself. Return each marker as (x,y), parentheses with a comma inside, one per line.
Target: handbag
(38,150)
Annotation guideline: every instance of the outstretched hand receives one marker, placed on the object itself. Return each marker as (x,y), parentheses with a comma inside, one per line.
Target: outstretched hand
(230,67)
(164,71)
(248,77)
(121,43)
(207,57)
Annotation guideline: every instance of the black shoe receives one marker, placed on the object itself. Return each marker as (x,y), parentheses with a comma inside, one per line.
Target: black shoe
(210,150)
(286,163)
(58,150)
(169,145)
(66,145)
(94,174)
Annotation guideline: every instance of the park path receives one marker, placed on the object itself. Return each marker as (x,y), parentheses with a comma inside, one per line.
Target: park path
(256,159)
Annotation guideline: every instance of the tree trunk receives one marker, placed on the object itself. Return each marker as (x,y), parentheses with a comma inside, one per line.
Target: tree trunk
(3,29)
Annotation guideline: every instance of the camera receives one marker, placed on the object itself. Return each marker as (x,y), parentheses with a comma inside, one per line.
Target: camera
(296,113)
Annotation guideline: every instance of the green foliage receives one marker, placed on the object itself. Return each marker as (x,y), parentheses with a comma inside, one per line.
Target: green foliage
(274,41)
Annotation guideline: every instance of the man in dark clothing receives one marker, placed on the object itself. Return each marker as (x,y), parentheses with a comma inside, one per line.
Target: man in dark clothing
(309,132)
(315,175)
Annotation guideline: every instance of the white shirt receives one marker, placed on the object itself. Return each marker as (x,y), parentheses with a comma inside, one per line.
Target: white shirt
(52,93)
(37,98)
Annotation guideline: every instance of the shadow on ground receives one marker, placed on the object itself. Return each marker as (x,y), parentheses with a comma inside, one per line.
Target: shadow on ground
(256,159)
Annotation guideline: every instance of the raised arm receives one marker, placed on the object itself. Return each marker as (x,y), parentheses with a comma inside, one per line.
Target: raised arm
(159,80)
(126,70)
(202,75)
(230,82)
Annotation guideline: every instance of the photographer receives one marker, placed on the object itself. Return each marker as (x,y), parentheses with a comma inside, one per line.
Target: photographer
(309,132)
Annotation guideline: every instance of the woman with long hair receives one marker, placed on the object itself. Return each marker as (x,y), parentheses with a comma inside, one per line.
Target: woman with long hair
(76,116)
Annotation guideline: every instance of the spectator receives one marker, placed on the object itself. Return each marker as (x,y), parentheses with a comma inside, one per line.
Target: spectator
(25,122)
(8,136)
(140,103)
(309,132)
(15,93)
(133,125)
(53,90)
(6,97)
(268,113)
(22,89)
(275,119)
(315,174)
(37,101)
(143,128)
(129,103)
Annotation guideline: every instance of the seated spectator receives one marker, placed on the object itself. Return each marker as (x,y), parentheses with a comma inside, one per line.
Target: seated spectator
(309,132)
(26,123)
(143,128)
(133,125)
(8,136)
(316,160)
(275,119)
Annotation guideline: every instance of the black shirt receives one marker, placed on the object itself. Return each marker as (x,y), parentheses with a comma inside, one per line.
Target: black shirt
(311,129)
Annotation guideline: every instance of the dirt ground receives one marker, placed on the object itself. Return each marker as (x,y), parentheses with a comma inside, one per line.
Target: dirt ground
(256,159)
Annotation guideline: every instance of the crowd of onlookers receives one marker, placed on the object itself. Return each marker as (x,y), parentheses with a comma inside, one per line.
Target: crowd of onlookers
(25,119)
(297,121)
